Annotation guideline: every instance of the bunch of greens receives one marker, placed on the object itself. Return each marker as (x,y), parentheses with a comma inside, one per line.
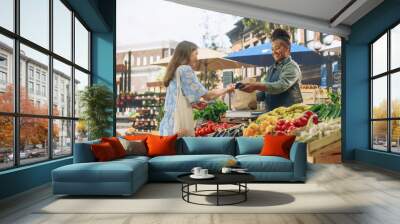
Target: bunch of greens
(212,112)
(331,110)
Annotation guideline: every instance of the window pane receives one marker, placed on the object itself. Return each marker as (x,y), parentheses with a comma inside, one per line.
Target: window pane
(35,21)
(379,135)
(33,139)
(379,97)
(62,89)
(395,94)
(62,29)
(7,14)
(62,138)
(34,72)
(81,132)
(379,55)
(81,45)
(395,47)
(6,142)
(6,74)
(395,136)
(81,81)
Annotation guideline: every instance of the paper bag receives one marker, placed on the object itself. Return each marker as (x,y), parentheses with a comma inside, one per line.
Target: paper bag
(244,101)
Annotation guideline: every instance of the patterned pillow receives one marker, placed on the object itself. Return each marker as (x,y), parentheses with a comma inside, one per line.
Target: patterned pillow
(135,147)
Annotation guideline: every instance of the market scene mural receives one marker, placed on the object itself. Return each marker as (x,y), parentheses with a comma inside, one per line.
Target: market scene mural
(248,78)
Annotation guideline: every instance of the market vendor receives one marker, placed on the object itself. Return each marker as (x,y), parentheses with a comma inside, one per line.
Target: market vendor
(281,86)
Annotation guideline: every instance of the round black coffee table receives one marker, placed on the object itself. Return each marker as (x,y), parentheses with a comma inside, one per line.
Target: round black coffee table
(238,179)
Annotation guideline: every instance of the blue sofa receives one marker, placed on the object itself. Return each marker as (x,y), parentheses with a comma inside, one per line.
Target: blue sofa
(125,176)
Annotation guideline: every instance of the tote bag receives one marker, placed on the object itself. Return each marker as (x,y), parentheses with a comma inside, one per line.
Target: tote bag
(184,123)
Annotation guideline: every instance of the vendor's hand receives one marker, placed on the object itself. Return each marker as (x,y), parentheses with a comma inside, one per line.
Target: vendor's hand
(248,87)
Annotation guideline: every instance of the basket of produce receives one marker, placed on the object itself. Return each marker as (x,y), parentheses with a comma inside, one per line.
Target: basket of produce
(222,129)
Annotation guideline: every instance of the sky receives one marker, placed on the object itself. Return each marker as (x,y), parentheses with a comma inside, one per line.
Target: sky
(140,21)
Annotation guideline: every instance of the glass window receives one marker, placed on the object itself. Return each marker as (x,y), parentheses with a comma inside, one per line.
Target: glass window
(395,47)
(395,95)
(6,142)
(62,137)
(7,14)
(6,75)
(40,62)
(379,56)
(34,21)
(395,136)
(379,135)
(62,72)
(81,82)
(62,29)
(81,131)
(81,45)
(379,98)
(33,139)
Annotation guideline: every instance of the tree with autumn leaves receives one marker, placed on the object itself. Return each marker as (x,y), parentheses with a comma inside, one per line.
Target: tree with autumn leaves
(33,131)
(380,127)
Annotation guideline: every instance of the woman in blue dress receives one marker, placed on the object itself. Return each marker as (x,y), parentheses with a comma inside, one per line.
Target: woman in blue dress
(181,65)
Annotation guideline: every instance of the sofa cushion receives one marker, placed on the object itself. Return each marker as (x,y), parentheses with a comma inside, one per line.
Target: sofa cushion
(207,145)
(103,152)
(185,163)
(249,145)
(83,152)
(257,163)
(112,171)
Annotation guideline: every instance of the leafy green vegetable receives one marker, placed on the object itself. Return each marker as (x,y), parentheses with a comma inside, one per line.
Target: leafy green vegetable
(212,112)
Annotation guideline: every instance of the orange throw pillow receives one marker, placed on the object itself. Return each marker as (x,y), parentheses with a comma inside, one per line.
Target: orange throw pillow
(161,145)
(116,145)
(136,137)
(277,145)
(103,152)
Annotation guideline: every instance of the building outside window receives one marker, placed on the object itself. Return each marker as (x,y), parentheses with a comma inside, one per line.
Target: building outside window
(59,133)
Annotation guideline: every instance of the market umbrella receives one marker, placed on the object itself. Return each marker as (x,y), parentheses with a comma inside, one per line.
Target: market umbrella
(209,60)
(261,55)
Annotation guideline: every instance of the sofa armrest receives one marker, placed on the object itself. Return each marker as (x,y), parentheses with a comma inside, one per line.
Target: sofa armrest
(298,155)
(83,152)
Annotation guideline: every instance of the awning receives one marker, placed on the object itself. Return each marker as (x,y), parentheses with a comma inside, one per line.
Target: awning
(261,55)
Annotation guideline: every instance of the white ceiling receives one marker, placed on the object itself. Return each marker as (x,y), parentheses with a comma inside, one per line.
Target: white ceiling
(316,15)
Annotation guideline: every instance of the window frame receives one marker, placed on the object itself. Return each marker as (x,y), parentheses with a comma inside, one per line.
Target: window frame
(388,74)
(16,114)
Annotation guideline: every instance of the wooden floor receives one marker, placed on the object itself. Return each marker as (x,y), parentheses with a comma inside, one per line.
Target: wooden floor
(379,189)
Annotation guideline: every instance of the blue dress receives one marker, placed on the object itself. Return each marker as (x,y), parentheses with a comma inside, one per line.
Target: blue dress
(192,89)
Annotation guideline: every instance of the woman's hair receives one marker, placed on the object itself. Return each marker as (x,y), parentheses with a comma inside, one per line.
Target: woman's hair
(181,56)
(281,34)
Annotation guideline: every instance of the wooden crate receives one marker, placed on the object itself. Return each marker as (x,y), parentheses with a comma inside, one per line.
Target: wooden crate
(325,150)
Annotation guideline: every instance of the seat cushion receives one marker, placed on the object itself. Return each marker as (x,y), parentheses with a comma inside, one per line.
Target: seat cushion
(112,171)
(257,163)
(185,163)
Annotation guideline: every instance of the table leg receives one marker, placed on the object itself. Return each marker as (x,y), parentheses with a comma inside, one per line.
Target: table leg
(217,194)
(195,188)
(245,193)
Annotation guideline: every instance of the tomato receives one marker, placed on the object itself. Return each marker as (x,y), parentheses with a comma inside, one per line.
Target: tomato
(308,114)
(281,122)
(315,119)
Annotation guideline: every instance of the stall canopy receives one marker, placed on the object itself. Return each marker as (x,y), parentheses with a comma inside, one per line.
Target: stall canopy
(261,55)
(209,60)
(327,16)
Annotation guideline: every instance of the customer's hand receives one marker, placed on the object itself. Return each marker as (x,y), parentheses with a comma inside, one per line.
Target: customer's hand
(248,87)
(230,88)
(199,105)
